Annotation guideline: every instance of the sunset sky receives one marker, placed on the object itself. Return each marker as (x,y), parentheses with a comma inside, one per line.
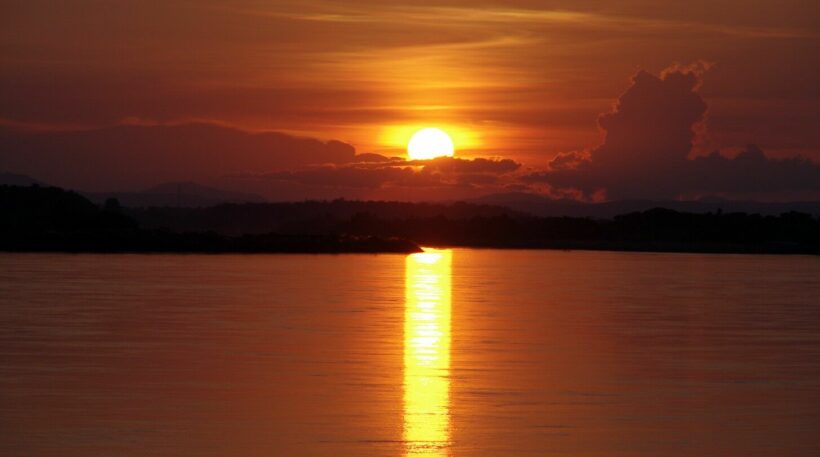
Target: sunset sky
(522,80)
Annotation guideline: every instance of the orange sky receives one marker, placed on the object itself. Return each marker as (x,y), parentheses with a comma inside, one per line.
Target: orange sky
(523,80)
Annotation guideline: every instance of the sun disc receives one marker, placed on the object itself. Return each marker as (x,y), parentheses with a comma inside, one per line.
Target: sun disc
(430,143)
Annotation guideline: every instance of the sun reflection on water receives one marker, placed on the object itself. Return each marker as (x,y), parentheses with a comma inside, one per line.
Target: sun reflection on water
(427,353)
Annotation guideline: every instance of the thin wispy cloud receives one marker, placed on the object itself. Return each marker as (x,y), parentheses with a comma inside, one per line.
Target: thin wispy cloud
(454,16)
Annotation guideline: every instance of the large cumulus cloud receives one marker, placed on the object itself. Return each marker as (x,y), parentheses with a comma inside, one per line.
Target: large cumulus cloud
(646,151)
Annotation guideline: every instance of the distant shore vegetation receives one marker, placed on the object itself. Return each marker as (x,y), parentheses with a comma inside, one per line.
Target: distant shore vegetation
(38,219)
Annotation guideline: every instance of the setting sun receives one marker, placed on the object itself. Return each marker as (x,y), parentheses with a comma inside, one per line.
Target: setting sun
(430,143)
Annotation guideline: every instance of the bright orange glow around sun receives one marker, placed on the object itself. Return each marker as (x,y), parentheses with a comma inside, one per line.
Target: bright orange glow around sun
(430,143)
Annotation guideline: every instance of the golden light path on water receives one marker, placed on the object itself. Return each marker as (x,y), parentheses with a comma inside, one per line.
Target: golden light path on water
(427,353)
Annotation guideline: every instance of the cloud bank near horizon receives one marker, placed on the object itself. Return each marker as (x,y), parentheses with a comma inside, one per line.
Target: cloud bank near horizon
(648,147)
(647,153)
(131,157)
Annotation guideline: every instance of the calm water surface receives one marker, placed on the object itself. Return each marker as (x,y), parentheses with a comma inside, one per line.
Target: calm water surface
(446,353)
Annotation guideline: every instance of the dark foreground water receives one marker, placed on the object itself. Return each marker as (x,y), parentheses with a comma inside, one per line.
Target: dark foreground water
(447,353)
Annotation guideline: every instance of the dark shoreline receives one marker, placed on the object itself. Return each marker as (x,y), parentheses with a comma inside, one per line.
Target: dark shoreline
(49,219)
(373,245)
(155,242)
(614,247)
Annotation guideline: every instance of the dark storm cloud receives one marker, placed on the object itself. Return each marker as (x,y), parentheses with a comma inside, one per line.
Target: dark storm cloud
(649,137)
(137,156)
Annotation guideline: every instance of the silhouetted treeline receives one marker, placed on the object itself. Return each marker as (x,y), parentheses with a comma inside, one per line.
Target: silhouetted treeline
(308,217)
(464,224)
(653,230)
(37,219)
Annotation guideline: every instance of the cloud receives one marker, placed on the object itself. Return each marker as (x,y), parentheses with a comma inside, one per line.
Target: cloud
(468,16)
(374,172)
(357,177)
(751,172)
(646,152)
(137,154)
(129,157)
(569,160)
(529,74)
(371,157)
(478,165)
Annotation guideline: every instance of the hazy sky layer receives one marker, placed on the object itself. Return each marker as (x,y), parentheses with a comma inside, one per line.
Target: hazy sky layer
(522,80)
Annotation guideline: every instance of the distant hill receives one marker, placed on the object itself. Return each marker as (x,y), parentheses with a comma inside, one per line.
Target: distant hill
(302,217)
(170,194)
(176,194)
(50,219)
(539,205)
(32,210)
(14,179)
